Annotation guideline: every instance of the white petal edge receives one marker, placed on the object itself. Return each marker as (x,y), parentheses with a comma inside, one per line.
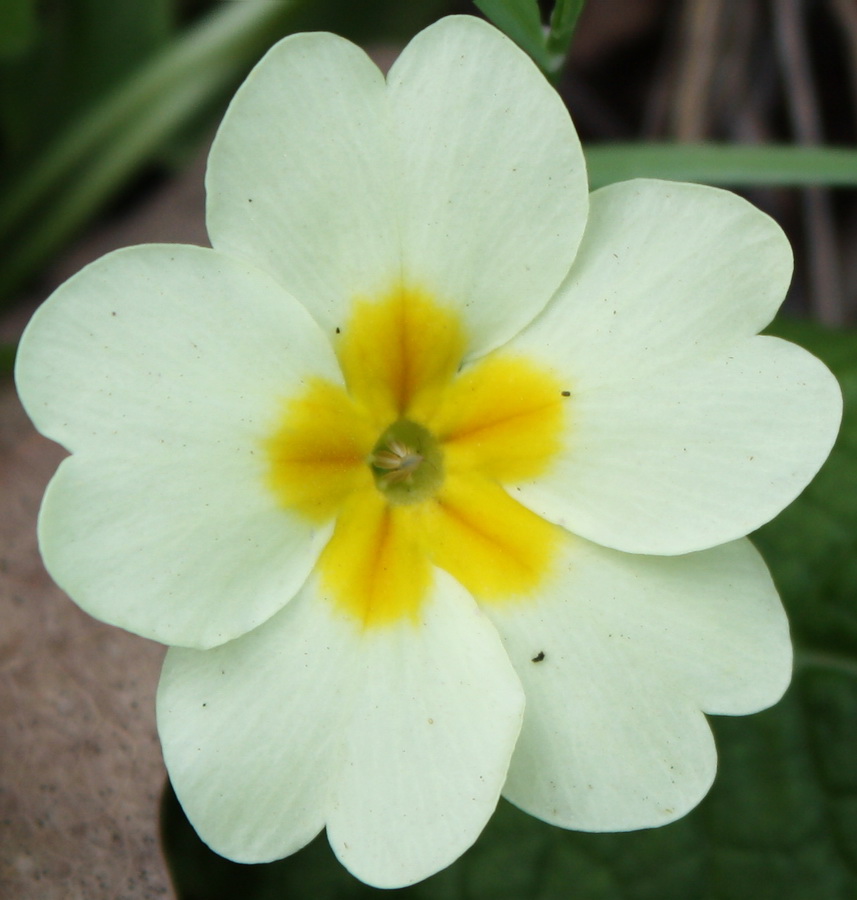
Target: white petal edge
(667,273)
(165,368)
(692,456)
(428,744)
(301,176)
(630,650)
(493,197)
(252,730)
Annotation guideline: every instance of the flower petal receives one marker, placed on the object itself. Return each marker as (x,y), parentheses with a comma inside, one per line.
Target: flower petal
(163,521)
(667,273)
(493,196)
(404,736)
(617,659)
(490,543)
(428,745)
(184,553)
(374,565)
(252,730)
(421,184)
(501,418)
(125,354)
(695,456)
(300,177)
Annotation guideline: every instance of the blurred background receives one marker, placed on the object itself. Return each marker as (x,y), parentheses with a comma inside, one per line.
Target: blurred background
(106,110)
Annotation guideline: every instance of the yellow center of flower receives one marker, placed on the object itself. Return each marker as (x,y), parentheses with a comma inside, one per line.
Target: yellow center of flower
(410,459)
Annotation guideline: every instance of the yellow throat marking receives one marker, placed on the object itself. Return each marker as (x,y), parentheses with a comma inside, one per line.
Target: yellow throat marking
(410,459)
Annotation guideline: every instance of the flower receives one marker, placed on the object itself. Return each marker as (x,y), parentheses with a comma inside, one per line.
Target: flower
(433,473)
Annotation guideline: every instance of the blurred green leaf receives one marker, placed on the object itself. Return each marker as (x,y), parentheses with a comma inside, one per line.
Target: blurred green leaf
(82,169)
(722,164)
(17,27)
(521,21)
(7,358)
(83,48)
(781,820)
(563,21)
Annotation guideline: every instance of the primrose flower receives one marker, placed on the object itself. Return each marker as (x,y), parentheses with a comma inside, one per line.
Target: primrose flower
(434,472)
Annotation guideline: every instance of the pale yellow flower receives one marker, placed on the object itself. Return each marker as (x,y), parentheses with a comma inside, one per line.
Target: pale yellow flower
(434,472)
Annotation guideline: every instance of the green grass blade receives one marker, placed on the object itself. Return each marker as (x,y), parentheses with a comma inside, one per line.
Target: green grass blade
(563,21)
(103,148)
(734,166)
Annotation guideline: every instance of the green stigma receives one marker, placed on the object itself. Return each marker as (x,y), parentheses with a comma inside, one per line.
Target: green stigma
(407,463)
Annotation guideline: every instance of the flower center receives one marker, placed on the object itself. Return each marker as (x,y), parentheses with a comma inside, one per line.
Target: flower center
(407,463)
(415,458)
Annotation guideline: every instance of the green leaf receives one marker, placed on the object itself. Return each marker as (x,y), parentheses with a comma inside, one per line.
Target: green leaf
(563,21)
(722,164)
(7,358)
(17,27)
(521,21)
(84,48)
(88,163)
(781,820)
